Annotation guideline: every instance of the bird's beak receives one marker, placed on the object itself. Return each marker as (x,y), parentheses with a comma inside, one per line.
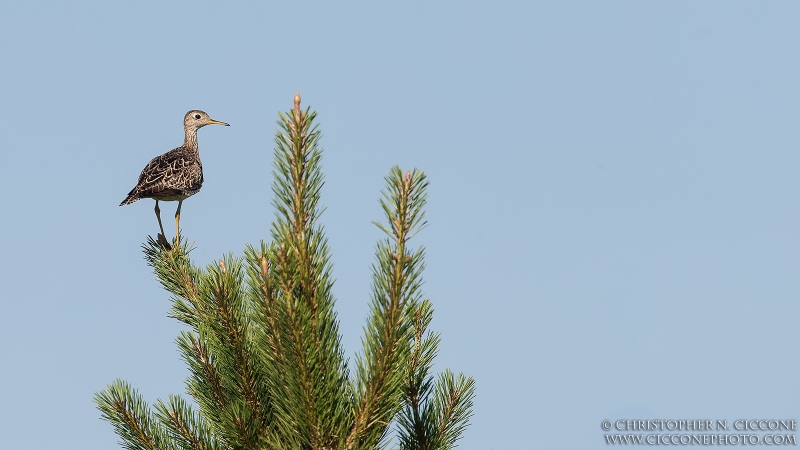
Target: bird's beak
(217,122)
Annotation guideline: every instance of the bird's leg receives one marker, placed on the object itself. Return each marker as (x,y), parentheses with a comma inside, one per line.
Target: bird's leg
(177,223)
(161,238)
(158,216)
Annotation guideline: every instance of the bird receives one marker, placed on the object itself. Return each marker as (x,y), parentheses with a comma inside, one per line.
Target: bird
(176,175)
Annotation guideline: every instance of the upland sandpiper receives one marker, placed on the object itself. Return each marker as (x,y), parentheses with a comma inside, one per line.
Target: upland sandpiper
(175,175)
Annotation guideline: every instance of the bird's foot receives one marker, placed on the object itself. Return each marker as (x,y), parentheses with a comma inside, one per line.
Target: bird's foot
(162,241)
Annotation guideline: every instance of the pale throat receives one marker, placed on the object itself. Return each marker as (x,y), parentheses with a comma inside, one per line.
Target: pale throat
(190,141)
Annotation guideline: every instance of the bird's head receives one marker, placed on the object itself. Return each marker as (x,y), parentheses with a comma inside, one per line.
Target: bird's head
(197,119)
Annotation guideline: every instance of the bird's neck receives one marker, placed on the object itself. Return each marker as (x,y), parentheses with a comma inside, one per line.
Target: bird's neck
(190,141)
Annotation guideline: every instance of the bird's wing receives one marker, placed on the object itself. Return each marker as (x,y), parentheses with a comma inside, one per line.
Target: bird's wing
(175,170)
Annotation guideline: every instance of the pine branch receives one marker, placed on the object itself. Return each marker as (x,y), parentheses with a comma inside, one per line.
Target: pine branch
(131,418)
(227,357)
(452,407)
(206,384)
(381,368)
(435,415)
(230,333)
(310,384)
(226,379)
(416,427)
(178,276)
(186,427)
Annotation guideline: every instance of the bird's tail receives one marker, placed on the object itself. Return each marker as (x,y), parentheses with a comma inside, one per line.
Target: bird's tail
(131,198)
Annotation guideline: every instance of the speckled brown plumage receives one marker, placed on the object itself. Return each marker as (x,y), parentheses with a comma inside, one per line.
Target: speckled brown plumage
(175,175)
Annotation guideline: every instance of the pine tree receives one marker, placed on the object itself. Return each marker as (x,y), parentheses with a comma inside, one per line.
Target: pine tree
(267,368)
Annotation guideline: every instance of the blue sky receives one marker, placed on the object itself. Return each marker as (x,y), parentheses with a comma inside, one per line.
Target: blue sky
(613,204)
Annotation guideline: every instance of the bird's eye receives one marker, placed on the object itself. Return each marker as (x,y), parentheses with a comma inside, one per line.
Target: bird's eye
(197,116)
